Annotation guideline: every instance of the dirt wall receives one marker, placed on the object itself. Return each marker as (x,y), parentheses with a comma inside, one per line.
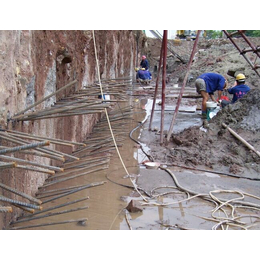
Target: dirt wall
(37,63)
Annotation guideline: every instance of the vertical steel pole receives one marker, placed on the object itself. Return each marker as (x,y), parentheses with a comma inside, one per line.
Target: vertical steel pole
(156,87)
(163,83)
(183,86)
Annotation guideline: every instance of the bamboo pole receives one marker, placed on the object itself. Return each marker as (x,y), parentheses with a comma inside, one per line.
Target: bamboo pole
(241,139)
(40,101)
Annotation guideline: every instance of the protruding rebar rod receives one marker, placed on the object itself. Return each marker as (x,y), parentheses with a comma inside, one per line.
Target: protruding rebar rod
(51,214)
(75,190)
(24,147)
(4,209)
(42,138)
(24,195)
(40,101)
(9,158)
(53,223)
(7,165)
(52,208)
(19,203)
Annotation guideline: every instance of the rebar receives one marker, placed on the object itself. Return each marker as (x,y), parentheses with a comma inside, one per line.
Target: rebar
(51,208)
(35,169)
(7,165)
(75,190)
(52,214)
(24,147)
(4,209)
(52,223)
(19,203)
(9,158)
(45,98)
(41,138)
(19,193)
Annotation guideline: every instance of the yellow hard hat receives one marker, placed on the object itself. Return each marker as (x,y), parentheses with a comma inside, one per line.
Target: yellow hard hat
(240,76)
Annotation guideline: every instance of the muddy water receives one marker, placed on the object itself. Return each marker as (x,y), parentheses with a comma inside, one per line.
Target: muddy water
(105,204)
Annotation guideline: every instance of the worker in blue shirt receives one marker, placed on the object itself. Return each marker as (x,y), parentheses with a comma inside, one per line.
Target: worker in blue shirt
(144,63)
(208,83)
(238,90)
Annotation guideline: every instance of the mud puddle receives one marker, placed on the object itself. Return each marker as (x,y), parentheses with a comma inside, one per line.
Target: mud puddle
(166,206)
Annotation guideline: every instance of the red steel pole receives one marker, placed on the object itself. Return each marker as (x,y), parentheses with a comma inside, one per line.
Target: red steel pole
(156,87)
(163,83)
(183,86)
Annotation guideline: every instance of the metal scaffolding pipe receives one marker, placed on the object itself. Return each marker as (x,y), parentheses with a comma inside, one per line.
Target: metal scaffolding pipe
(163,83)
(156,87)
(183,86)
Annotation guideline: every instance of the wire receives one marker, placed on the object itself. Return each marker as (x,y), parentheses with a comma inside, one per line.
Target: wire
(110,128)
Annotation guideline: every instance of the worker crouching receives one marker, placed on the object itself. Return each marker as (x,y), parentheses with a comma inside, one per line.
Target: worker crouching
(208,83)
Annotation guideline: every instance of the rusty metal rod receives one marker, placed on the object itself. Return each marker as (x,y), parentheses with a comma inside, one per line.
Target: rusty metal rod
(9,158)
(19,193)
(35,169)
(78,170)
(51,214)
(6,209)
(94,184)
(183,86)
(19,203)
(73,177)
(7,165)
(163,84)
(156,86)
(52,223)
(23,147)
(40,154)
(41,138)
(52,208)
(61,115)
(45,98)
(25,209)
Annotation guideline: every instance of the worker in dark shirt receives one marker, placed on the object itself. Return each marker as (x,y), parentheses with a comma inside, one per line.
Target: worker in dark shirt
(238,90)
(144,63)
(206,84)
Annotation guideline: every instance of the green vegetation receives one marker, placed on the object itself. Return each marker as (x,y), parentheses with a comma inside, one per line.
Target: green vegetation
(213,34)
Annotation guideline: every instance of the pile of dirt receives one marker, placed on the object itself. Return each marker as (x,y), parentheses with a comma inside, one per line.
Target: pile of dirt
(216,148)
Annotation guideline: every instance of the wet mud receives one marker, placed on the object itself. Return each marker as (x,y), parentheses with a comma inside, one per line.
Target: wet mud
(174,197)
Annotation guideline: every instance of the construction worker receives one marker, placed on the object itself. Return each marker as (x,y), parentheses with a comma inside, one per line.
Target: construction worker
(206,84)
(238,90)
(144,63)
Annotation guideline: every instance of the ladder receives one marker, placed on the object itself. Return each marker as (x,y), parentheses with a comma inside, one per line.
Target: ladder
(255,65)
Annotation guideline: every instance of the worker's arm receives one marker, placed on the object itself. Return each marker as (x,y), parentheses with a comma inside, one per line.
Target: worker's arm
(219,94)
(212,97)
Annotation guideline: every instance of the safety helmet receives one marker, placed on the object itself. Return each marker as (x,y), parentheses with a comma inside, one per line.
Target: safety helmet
(240,77)
(143,57)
